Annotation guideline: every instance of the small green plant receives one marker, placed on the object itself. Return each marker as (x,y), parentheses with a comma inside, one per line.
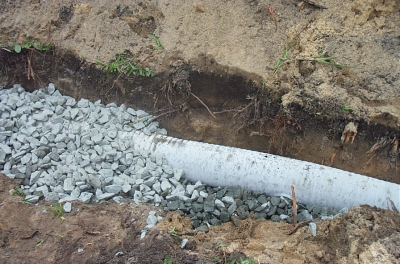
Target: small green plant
(346,108)
(282,60)
(158,41)
(328,60)
(243,261)
(58,235)
(28,44)
(17,191)
(25,201)
(320,58)
(172,232)
(39,243)
(168,261)
(124,65)
(57,210)
(221,245)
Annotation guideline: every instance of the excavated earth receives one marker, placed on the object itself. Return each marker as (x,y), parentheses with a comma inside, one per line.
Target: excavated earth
(216,80)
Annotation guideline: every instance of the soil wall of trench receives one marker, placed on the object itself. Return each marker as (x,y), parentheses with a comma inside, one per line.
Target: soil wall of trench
(216,75)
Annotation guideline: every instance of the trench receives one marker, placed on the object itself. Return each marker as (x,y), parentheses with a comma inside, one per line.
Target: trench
(243,113)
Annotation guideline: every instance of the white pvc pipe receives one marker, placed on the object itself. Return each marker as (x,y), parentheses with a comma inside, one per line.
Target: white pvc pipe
(227,166)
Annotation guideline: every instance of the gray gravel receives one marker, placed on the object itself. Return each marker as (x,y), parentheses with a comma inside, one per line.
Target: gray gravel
(67,150)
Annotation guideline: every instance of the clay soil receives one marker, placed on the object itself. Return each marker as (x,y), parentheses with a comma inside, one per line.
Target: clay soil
(214,82)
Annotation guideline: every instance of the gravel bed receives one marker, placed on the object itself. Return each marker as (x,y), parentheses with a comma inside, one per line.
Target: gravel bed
(67,150)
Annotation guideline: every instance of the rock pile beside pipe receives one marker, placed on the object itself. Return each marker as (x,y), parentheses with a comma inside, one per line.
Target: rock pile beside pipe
(66,150)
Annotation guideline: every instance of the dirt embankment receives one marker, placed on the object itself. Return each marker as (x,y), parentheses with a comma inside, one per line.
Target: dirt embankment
(240,37)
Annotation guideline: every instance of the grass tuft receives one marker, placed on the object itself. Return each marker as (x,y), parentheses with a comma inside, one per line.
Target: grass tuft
(124,65)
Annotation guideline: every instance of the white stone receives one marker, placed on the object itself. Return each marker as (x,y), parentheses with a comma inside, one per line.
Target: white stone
(203,194)
(105,196)
(190,188)
(113,188)
(69,185)
(228,199)
(178,173)
(67,207)
(157,187)
(126,188)
(312,227)
(219,203)
(85,197)
(34,177)
(137,196)
(167,169)
(195,195)
(165,185)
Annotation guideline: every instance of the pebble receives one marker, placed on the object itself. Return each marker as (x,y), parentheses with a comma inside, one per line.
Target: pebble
(312,227)
(67,207)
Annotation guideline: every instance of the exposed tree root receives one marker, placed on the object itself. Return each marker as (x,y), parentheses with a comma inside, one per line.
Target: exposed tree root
(208,109)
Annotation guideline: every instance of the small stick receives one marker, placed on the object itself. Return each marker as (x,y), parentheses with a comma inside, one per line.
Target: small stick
(93,233)
(274,16)
(30,72)
(367,163)
(291,232)
(36,231)
(203,104)
(294,207)
(333,158)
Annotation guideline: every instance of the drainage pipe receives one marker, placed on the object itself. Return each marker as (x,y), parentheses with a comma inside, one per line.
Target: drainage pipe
(274,175)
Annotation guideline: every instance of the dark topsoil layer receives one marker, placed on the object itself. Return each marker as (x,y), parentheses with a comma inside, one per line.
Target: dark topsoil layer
(221,109)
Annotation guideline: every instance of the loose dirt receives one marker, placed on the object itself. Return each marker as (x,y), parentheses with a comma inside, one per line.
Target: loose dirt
(110,233)
(218,55)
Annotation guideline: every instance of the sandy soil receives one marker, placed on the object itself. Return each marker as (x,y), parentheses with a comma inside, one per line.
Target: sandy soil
(245,37)
(230,49)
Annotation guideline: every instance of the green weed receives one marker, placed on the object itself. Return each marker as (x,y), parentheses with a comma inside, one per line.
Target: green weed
(243,261)
(25,201)
(221,245)
(328,60)
(158,41)
(320,58)
(346,108)
(168,261)
(39,243)
(282,60)
(172,232)
(17,191)
(124,65)
(57,210)
(58,235)
(27,44)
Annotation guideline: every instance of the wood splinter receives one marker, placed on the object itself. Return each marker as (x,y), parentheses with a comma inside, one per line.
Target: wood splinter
(294,207)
